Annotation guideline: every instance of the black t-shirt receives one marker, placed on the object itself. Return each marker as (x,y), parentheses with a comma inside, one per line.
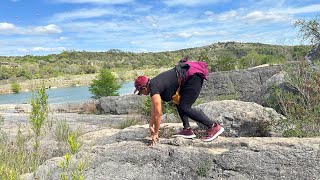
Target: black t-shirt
(165,84)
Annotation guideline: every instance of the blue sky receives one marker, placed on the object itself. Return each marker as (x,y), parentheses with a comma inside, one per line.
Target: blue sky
(40,27)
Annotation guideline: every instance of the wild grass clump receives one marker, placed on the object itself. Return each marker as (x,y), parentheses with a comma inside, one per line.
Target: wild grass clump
(15,158)
(61,131)
(131,122)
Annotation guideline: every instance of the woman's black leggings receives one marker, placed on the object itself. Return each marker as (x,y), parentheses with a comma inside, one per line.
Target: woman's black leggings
(189,92)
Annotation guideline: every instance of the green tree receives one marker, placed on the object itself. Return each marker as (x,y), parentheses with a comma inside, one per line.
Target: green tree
(309,30)
(104,85)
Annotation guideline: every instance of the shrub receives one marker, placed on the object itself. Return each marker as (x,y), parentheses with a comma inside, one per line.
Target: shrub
(301,105)
(74,142)
(104,85)
(15,87)
(39,113)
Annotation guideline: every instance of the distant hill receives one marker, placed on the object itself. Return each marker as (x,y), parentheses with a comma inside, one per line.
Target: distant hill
(219,56)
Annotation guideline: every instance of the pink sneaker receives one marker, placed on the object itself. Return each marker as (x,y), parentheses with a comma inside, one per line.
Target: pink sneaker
(213,133)
(185,133)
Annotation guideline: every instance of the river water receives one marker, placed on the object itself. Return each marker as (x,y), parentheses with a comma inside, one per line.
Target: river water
(62,95)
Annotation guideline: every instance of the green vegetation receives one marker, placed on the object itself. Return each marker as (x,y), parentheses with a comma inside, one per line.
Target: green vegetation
(15,87)
(219,56)
(76,173)
(167,107)
(309,30)
(62,131)
(203,169)
(16,158)
(131,122)
(299,102)
(39,114)
(104,85)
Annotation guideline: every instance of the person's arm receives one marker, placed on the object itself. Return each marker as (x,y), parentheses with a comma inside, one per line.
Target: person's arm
(151,123)
(155,117)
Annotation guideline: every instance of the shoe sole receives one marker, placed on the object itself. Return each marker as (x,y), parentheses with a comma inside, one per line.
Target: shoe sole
(215,136)
(184,136)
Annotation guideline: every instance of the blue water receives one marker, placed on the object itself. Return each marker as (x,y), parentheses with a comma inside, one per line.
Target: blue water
(62,95)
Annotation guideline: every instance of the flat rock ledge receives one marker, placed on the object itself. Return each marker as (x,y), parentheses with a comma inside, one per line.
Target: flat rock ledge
(124,154)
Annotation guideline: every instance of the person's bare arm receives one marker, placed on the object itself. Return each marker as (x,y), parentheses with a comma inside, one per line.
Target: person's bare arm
(155,117)
(151,123)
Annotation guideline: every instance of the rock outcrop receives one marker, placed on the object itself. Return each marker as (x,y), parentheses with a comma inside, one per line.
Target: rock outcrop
(125,155)
(245,85)
(242,118)
(120,104)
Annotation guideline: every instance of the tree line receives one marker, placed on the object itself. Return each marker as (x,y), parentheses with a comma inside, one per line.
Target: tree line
(219,56)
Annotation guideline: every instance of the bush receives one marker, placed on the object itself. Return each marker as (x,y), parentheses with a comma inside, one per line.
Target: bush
(301,105)
(104,85)
(15,87)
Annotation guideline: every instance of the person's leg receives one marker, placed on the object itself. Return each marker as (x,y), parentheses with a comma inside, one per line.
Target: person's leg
(189,93)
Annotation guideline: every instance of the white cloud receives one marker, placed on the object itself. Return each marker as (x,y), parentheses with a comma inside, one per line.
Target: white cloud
(6,27)
(305,9)
(49,29)
(63,38)
(190,2)
(23,50)
(189,33)
(96,1)
(46,49)
(83,14)
(152,20)
(225,16)
(259,16)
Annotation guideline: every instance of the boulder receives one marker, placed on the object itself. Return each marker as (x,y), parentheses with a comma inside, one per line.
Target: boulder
(242,118)
(120,104)
(244,85)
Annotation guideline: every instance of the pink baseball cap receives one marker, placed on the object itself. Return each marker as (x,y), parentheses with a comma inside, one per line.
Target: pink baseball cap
(140,83)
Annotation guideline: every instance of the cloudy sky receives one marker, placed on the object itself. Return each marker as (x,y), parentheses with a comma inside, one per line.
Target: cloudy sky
(40,27)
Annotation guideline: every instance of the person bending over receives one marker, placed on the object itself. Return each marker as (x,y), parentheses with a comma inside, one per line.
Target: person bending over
(187,78)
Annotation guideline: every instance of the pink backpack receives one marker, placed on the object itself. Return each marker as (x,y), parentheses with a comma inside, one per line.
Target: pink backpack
(186,68)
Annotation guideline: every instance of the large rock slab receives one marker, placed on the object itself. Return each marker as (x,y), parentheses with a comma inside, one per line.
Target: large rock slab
(120,104)
(244,85)
(242,118)
(126,155)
